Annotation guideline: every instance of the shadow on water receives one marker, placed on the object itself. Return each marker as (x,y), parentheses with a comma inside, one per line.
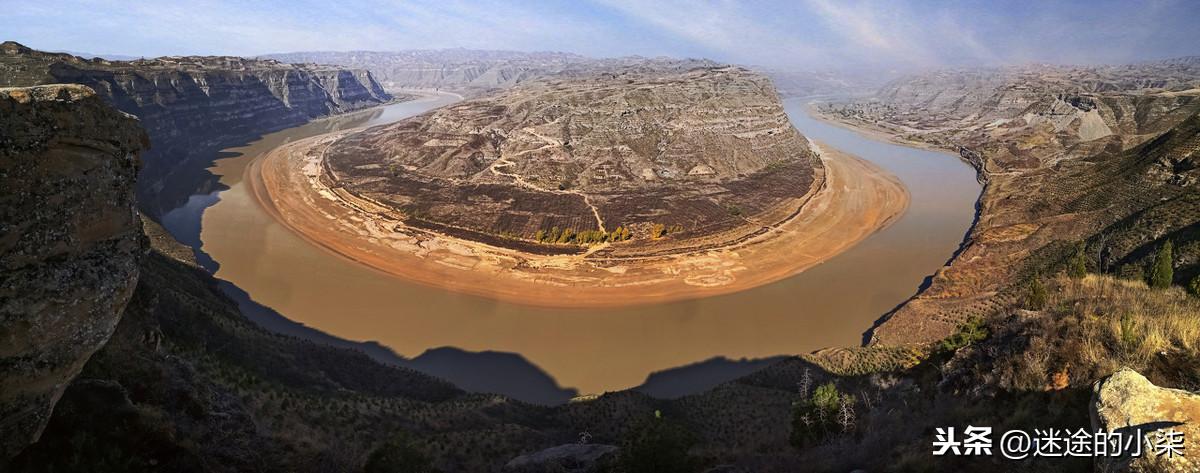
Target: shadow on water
(184,221)
(509,374)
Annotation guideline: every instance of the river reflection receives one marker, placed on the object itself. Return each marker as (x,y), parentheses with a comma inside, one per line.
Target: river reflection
(591,350)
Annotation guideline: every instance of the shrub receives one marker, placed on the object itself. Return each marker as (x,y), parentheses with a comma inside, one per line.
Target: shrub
(658,445)
(1161,273)
(659,231)
(1036,295)
(1194,286)
(1077,267)
(815,418)
(969,332)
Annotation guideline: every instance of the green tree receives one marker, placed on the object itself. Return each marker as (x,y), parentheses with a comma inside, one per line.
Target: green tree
(815,418)
(540,235)
(1161,273)
(1077,267)
(658,445)
(1036,295)
(398,455)
(1194,286)
(971,331)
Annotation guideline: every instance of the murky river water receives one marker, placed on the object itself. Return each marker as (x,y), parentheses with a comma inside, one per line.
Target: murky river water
(591,350)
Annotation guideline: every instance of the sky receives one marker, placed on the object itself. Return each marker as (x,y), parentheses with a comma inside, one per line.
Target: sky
(822,34)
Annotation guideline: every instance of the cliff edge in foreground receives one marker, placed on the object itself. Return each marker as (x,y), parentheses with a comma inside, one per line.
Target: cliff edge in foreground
(70,239)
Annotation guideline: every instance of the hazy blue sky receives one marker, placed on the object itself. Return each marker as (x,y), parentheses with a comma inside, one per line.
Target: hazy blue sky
(803,33)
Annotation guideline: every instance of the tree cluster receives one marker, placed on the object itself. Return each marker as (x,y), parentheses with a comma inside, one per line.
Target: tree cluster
(587,237)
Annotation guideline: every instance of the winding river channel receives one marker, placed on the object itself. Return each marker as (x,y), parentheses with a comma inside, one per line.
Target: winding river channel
(591,351)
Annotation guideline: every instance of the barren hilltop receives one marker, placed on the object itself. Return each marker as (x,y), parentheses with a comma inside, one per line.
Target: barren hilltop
(698,152)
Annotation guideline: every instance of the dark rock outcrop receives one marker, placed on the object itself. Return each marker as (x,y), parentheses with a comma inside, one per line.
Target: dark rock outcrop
(569,458)
(192,106)
(70,239)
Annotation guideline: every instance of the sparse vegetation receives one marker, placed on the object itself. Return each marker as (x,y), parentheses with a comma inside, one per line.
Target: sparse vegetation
(1098,324)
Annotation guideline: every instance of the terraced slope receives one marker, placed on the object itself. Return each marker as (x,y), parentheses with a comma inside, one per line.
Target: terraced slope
(1102,155)
(694,154)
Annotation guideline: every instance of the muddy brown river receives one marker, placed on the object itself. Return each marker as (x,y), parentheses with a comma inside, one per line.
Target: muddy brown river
(592,351)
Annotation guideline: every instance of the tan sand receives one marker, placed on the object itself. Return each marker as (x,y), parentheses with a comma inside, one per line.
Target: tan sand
(853,200)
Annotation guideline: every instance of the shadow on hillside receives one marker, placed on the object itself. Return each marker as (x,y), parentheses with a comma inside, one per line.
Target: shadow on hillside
(701,376)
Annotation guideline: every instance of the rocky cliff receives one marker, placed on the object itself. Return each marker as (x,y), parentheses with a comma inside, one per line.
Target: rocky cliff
(192,106)
(70,243)
(461,70)
(475,72)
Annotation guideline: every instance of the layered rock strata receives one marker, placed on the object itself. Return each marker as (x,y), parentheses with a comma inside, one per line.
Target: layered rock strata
(70,239)
(191,106)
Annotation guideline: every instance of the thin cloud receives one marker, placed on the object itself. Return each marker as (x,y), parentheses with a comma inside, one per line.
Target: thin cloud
(816,34)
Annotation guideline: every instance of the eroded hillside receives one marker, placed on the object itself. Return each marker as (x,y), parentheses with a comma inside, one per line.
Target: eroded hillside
(475,72)
(694,153)
(1105,156)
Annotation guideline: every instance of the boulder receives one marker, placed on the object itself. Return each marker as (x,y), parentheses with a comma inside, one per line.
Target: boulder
(1127,401)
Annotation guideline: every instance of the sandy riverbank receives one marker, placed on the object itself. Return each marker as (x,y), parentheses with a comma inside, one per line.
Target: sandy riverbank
(854,200)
